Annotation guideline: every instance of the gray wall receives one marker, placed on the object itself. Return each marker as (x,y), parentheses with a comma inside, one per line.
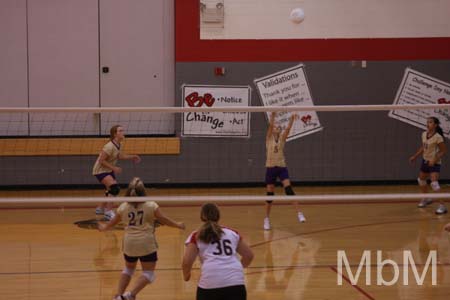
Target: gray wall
(353,146)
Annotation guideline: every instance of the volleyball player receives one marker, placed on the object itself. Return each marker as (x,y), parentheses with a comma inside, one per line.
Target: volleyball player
(139,241)
(105,169)
(432,150)
(222,274)
(276,165)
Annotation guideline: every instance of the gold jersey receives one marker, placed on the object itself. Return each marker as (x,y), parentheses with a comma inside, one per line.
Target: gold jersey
(139,238)
(275,152)
(112,150)
(430,146)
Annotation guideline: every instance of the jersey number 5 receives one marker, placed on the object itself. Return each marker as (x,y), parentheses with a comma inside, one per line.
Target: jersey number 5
(133,219)
(223,247)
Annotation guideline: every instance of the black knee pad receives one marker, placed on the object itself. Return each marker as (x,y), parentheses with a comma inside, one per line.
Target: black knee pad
(270,194)
(114,190)
(289,191)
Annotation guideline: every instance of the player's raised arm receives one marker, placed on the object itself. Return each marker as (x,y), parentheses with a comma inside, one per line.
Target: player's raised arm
(288,128)
(271,124)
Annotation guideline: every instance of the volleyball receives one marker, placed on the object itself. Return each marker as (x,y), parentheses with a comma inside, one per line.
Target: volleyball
(297,15)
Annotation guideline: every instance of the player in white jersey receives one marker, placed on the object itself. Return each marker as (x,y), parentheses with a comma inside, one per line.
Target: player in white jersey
(105,169)
(432,150)
(139,242)
(222,273)
(276,165)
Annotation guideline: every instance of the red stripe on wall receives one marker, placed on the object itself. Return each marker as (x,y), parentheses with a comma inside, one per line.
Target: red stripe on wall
(189,47)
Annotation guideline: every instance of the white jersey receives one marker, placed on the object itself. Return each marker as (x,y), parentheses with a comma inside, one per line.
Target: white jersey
(221,266)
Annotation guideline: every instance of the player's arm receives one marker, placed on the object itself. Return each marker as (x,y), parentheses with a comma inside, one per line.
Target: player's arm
(245,252)
(167,221)
(440,154)
(134,158)
(188,260)
(416,155)
(102,159)
(271,124)
(289,126)
(113,222)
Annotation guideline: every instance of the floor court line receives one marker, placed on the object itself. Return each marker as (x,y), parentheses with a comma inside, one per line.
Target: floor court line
(359,289)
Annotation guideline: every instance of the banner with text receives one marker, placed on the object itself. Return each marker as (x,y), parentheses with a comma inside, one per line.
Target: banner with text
(289,88)
(216,124)
(419,88)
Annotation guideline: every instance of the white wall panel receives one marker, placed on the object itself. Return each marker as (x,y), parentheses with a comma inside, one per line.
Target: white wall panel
(268,19)
(63,64)
(13,65)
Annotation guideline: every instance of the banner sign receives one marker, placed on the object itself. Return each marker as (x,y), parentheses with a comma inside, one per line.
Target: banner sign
(289,88)
(419,88)
(216,124)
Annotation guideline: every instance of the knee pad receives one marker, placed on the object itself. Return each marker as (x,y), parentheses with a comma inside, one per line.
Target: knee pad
(421,182)
(114,190)
(435,186)
(128,271)
(270,194)
(289,191)
(150,275)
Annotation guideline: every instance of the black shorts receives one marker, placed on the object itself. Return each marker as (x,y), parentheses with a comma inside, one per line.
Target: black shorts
(152,257)
(235,292)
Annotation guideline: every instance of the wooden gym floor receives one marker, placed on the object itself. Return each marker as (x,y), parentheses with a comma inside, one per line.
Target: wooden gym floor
(45,256)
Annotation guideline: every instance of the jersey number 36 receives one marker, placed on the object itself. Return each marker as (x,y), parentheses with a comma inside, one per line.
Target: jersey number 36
(223,247)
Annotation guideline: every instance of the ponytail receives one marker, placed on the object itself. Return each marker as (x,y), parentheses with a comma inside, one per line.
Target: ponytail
(136,188)
(439,130)
(211,231)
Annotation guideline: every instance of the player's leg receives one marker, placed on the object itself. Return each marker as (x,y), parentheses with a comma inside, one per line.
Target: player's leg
(113,190)
(148,264)
(127,274)
(284,177)
(434,176)
(270,191)
(423,185)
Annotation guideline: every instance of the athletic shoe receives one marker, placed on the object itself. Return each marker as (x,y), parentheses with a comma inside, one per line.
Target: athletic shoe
(441,209)
(267,224)
(301,217)
(424,202)
(109,215)
(99,211)
(128,296)
(120,297)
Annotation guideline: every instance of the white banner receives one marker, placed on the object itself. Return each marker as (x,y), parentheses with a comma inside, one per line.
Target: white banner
(419,88)
(289,88)
(216,124)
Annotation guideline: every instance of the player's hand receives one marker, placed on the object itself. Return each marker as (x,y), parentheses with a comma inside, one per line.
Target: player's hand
(117,170)
(412,159)
(101,226)
(136,159)
(447,227)
(181,225)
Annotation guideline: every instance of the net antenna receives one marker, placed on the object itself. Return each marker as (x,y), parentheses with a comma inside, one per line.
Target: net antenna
(212,13)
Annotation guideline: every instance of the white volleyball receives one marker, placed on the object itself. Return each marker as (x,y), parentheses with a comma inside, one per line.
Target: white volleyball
(297,15)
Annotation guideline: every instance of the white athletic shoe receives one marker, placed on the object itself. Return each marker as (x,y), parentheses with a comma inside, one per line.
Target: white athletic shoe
(267,224)
(118,297)
(424,202)
(301,217)
(99,211)
(441,209)
(128,296)
(109,215)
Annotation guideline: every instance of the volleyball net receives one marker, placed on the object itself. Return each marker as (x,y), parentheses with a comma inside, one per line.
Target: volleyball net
(218,153)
